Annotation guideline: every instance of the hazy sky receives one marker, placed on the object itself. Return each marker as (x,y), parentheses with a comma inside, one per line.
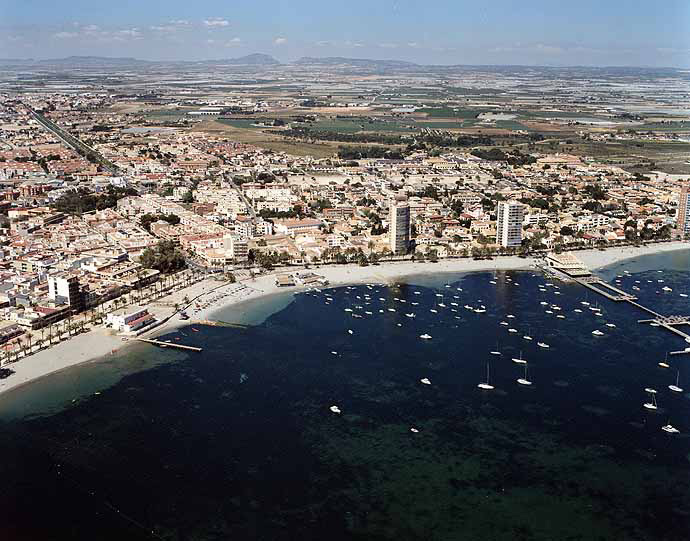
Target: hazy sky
(583,32)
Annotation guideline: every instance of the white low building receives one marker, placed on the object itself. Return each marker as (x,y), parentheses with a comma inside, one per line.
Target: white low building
(130,321)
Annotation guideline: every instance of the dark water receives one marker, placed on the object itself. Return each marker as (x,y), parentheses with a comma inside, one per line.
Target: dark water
(239,442)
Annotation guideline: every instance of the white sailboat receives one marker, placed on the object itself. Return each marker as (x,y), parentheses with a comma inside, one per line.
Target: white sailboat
(675,388)
(519,360)
(664,363)
(670,429)
(486,386)
(651,405)
(524,380)
(496,351)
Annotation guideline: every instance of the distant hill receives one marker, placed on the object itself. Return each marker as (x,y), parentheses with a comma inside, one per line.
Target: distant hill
(93,61)
(256,59)
(357,62)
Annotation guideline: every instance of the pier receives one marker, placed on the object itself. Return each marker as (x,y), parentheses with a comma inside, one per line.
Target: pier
(218,323)
(169,344)
(604,288)
(670,323)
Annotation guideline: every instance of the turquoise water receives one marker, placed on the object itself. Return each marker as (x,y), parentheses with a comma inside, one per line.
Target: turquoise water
(239,441)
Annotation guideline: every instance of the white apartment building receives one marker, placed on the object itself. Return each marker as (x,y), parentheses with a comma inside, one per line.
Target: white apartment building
(509,223)
(399,226)
(683,216)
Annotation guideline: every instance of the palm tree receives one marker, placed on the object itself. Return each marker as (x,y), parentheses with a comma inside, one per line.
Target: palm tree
(20,343)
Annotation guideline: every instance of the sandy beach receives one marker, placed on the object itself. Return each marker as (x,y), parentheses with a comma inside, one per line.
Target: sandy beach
(209,297)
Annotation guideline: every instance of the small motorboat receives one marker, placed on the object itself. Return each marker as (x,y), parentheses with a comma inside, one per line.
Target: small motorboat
(425,336)
(425,381)
(335,409)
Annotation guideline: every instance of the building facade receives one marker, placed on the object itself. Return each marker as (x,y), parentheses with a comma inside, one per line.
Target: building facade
(399,226)
(510,216)
(66,290)
(128,322)
(683,218)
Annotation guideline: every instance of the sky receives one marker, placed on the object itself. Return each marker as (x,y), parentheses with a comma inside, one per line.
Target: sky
(523,32)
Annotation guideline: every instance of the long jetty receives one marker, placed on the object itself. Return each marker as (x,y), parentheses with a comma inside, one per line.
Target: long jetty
(670,323)
(168,344)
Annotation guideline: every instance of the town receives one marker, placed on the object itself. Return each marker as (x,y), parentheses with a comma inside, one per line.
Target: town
(103,210)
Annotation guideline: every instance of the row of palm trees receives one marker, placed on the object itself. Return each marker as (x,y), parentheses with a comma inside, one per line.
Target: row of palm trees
(26,344)
(66,328)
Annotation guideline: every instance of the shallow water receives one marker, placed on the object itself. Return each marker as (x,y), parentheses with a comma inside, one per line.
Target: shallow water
(239,442)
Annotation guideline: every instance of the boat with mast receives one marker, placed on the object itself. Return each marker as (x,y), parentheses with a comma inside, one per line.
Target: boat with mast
(519,360)
(651,405)
(523,380)
(675,388)
(486,385)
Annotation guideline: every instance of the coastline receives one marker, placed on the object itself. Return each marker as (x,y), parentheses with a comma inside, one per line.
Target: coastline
(97,344)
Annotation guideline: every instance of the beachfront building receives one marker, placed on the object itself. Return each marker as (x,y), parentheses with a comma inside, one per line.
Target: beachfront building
(127,322)
(399,226)
(510,215)
(683,218)
(65,289)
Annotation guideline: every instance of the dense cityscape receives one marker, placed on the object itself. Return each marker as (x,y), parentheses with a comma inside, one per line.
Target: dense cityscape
(100,203)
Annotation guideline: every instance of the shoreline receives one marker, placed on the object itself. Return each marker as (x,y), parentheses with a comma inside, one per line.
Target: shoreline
(96,344)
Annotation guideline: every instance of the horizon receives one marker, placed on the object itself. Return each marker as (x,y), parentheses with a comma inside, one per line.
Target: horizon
(351,58)
(615,34)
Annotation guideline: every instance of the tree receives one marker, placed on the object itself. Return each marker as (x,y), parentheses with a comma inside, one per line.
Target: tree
(188,197)
(83,200)
(165,257)
(147,219)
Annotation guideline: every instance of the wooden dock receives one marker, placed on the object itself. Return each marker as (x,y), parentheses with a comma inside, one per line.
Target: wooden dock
(169,344)
(670,323)
(217,323)
(605,289)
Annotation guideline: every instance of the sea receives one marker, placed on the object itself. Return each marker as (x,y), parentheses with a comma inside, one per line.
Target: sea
(325,416)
